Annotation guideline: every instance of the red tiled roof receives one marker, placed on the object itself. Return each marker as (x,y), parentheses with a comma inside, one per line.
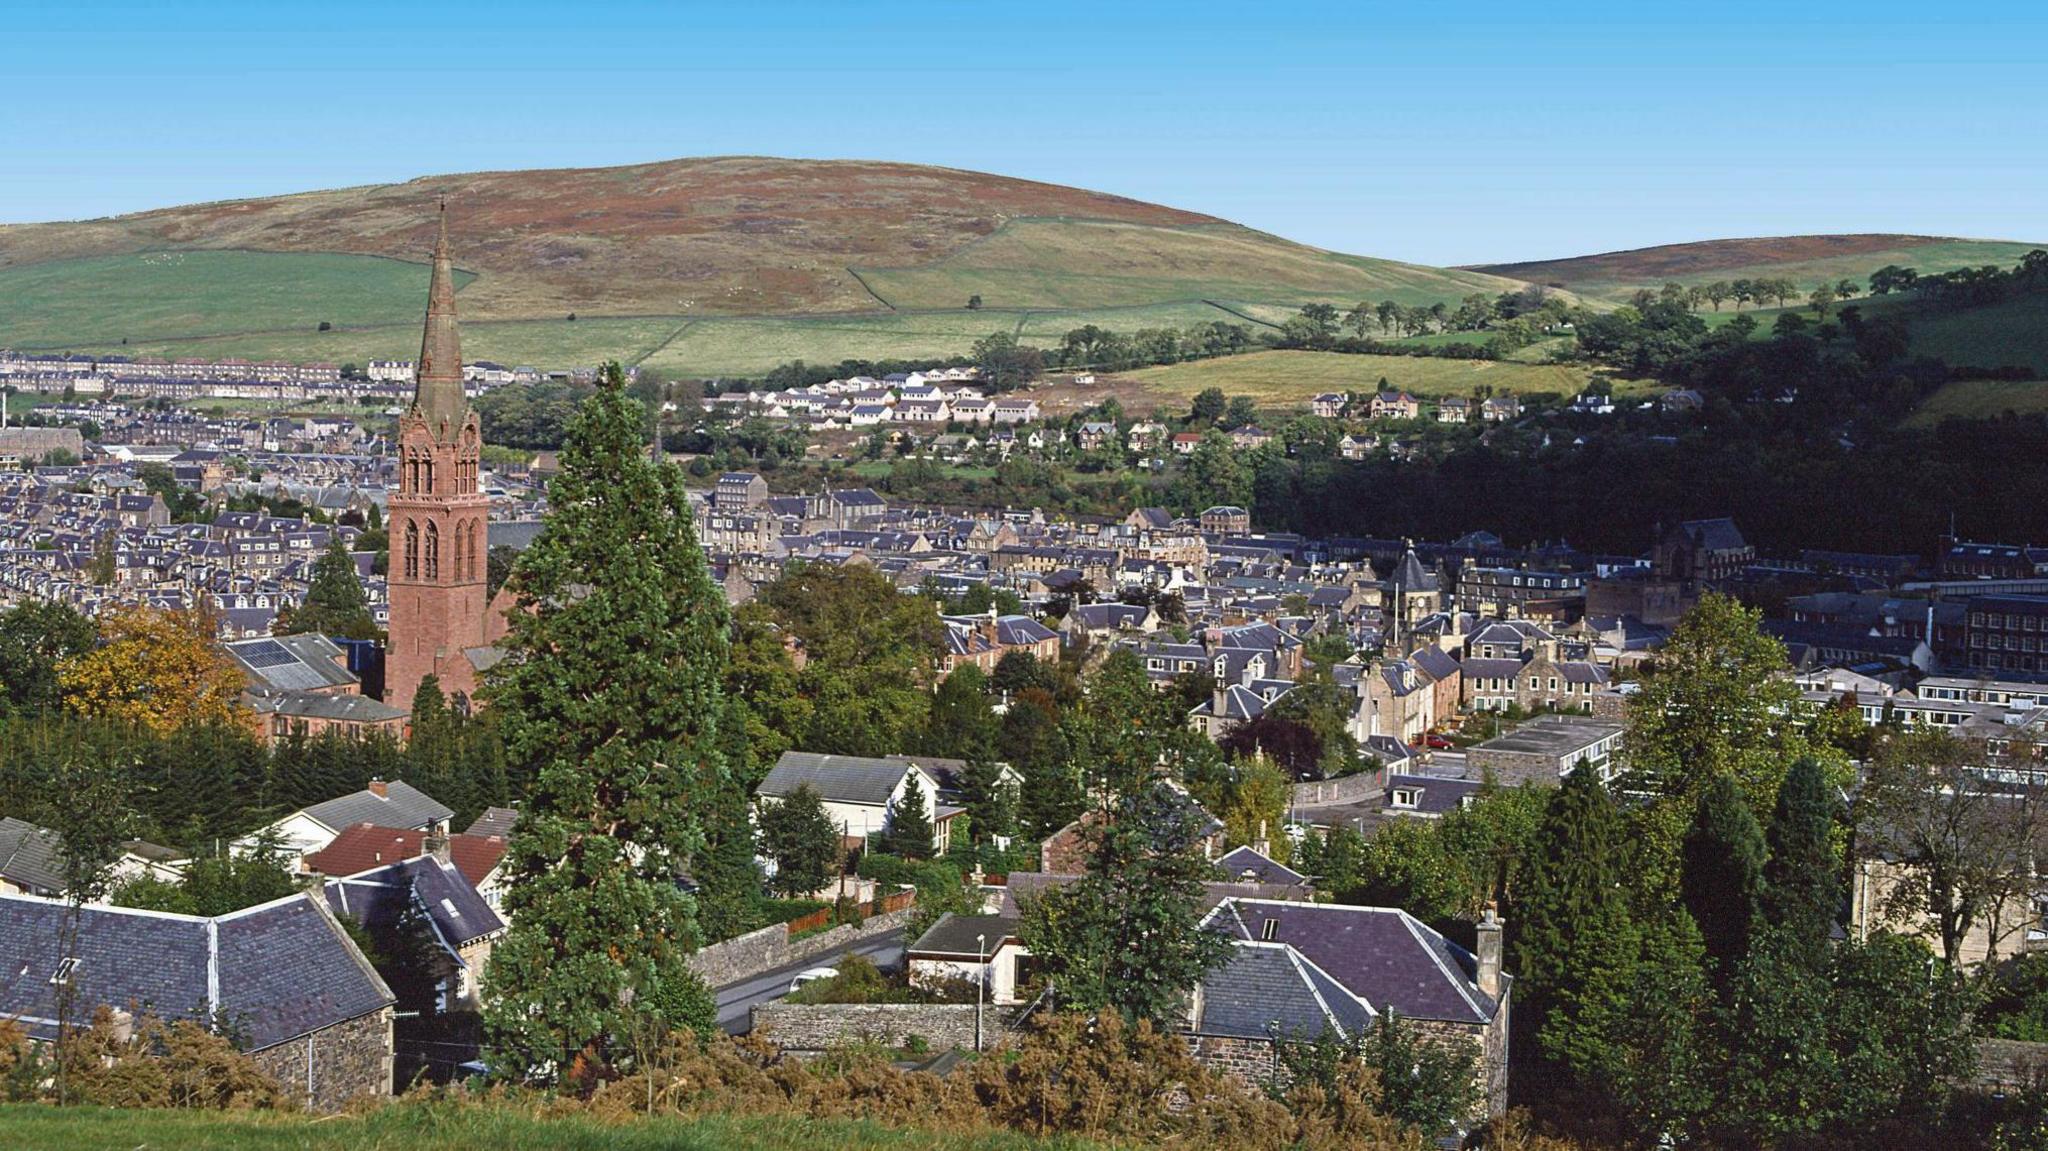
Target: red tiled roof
(366,846)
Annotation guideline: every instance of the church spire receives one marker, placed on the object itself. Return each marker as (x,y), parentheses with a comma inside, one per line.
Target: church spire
(438,378)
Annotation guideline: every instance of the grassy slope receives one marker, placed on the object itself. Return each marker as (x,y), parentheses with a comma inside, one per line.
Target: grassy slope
(1805,259)
(1085,264)
(99,300)
(1284,377)
(31,1127)
(771,259)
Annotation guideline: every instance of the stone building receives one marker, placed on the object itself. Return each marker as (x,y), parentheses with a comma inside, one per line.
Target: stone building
(1546,749)
(438,518)
(1299,970)
(282,979)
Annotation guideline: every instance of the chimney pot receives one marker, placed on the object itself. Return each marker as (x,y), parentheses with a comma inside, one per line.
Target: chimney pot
(379,788)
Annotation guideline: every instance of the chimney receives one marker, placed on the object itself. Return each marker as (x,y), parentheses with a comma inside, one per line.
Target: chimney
(1263,844)
(436,845)
(1488,947)
(379,789)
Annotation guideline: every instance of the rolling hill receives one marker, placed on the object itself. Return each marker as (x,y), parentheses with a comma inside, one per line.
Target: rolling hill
(1805,259)
(727,264)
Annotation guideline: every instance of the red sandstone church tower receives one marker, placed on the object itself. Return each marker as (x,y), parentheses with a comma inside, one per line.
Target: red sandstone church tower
(439,519)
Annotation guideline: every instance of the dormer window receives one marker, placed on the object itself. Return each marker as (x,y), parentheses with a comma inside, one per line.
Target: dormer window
(1406,796)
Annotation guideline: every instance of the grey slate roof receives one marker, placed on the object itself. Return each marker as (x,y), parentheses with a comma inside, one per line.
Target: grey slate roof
(1382,955)
(377,898)
(272,972)
(953,935)
(1267,989)
(1240,862)
(841,778)
(402,805)
(494,821)
(30,856)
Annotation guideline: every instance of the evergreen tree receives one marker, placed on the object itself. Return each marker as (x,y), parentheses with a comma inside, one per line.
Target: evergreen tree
(1721,864)
(610,700)
(1126,936)
(335,604)
(910,823)
(800,837)
(961,725)
(991,799)
(35,639)
(1574,942)
(728,880)
(1802,881)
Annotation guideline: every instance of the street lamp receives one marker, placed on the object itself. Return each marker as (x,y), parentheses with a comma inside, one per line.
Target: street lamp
(980,983)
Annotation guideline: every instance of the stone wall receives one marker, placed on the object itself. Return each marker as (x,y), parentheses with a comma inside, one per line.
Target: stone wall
(349,1061)
(808,1027)
(1347,789)
(2009,1065)
(1251,1062)
(771,947)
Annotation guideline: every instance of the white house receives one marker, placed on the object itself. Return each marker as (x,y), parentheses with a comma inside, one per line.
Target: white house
(983,949)
(396,804)
(861,794)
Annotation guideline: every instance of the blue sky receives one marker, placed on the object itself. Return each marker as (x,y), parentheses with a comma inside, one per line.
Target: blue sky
(1438,132)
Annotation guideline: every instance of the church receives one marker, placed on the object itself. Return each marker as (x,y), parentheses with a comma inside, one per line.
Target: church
(439,519)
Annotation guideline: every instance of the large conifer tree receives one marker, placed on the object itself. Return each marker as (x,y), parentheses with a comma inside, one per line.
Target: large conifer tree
(1574,943)
(1802,886)
(1721,866)
(609,702)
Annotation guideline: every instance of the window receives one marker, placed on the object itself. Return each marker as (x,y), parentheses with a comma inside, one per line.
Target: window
(65,968)
(1267,930)
(412,549)
(433,551)
(1405,797)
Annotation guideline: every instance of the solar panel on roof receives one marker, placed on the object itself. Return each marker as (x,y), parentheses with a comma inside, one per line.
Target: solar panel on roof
(268,653)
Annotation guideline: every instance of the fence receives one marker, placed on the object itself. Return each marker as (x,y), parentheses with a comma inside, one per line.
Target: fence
(826,916)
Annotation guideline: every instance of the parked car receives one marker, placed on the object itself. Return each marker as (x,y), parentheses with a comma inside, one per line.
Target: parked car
(1437,742)
(812,975)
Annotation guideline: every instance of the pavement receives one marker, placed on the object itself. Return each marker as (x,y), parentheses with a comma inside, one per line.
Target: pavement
(736,999)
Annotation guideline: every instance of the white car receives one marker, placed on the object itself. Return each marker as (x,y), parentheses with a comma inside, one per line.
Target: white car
(812,975)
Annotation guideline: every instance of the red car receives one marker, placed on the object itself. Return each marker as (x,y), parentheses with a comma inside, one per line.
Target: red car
(1437,742)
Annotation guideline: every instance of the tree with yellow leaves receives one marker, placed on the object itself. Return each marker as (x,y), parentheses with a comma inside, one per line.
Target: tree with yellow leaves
(159,669)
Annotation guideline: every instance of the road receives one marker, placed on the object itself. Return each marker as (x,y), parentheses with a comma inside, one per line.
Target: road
(734,999)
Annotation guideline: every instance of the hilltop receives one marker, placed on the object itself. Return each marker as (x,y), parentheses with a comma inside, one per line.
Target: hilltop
(1804,259)
(718,264)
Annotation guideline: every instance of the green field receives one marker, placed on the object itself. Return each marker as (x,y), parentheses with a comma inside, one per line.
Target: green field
(414,1127)
(98,301)
(1982,399)
(1283,377)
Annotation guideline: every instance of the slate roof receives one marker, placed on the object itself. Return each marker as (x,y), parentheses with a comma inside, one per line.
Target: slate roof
(377,898)
(401,805)
(840,778)
(1240,862)
(1433,796)
(1715,534)
(1382,955)
(1263,989)
(953,935)
(30,856)
(494,821)
(273,972)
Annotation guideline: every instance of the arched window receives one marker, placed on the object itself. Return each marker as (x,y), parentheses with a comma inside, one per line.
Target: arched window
(433,567)
(477,545)
(428,471)
(462,556)
(412,549)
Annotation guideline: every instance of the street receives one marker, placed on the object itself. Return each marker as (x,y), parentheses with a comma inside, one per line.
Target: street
(734,1000)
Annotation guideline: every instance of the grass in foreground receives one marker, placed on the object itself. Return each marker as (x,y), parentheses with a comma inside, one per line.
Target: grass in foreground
(410,1126)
